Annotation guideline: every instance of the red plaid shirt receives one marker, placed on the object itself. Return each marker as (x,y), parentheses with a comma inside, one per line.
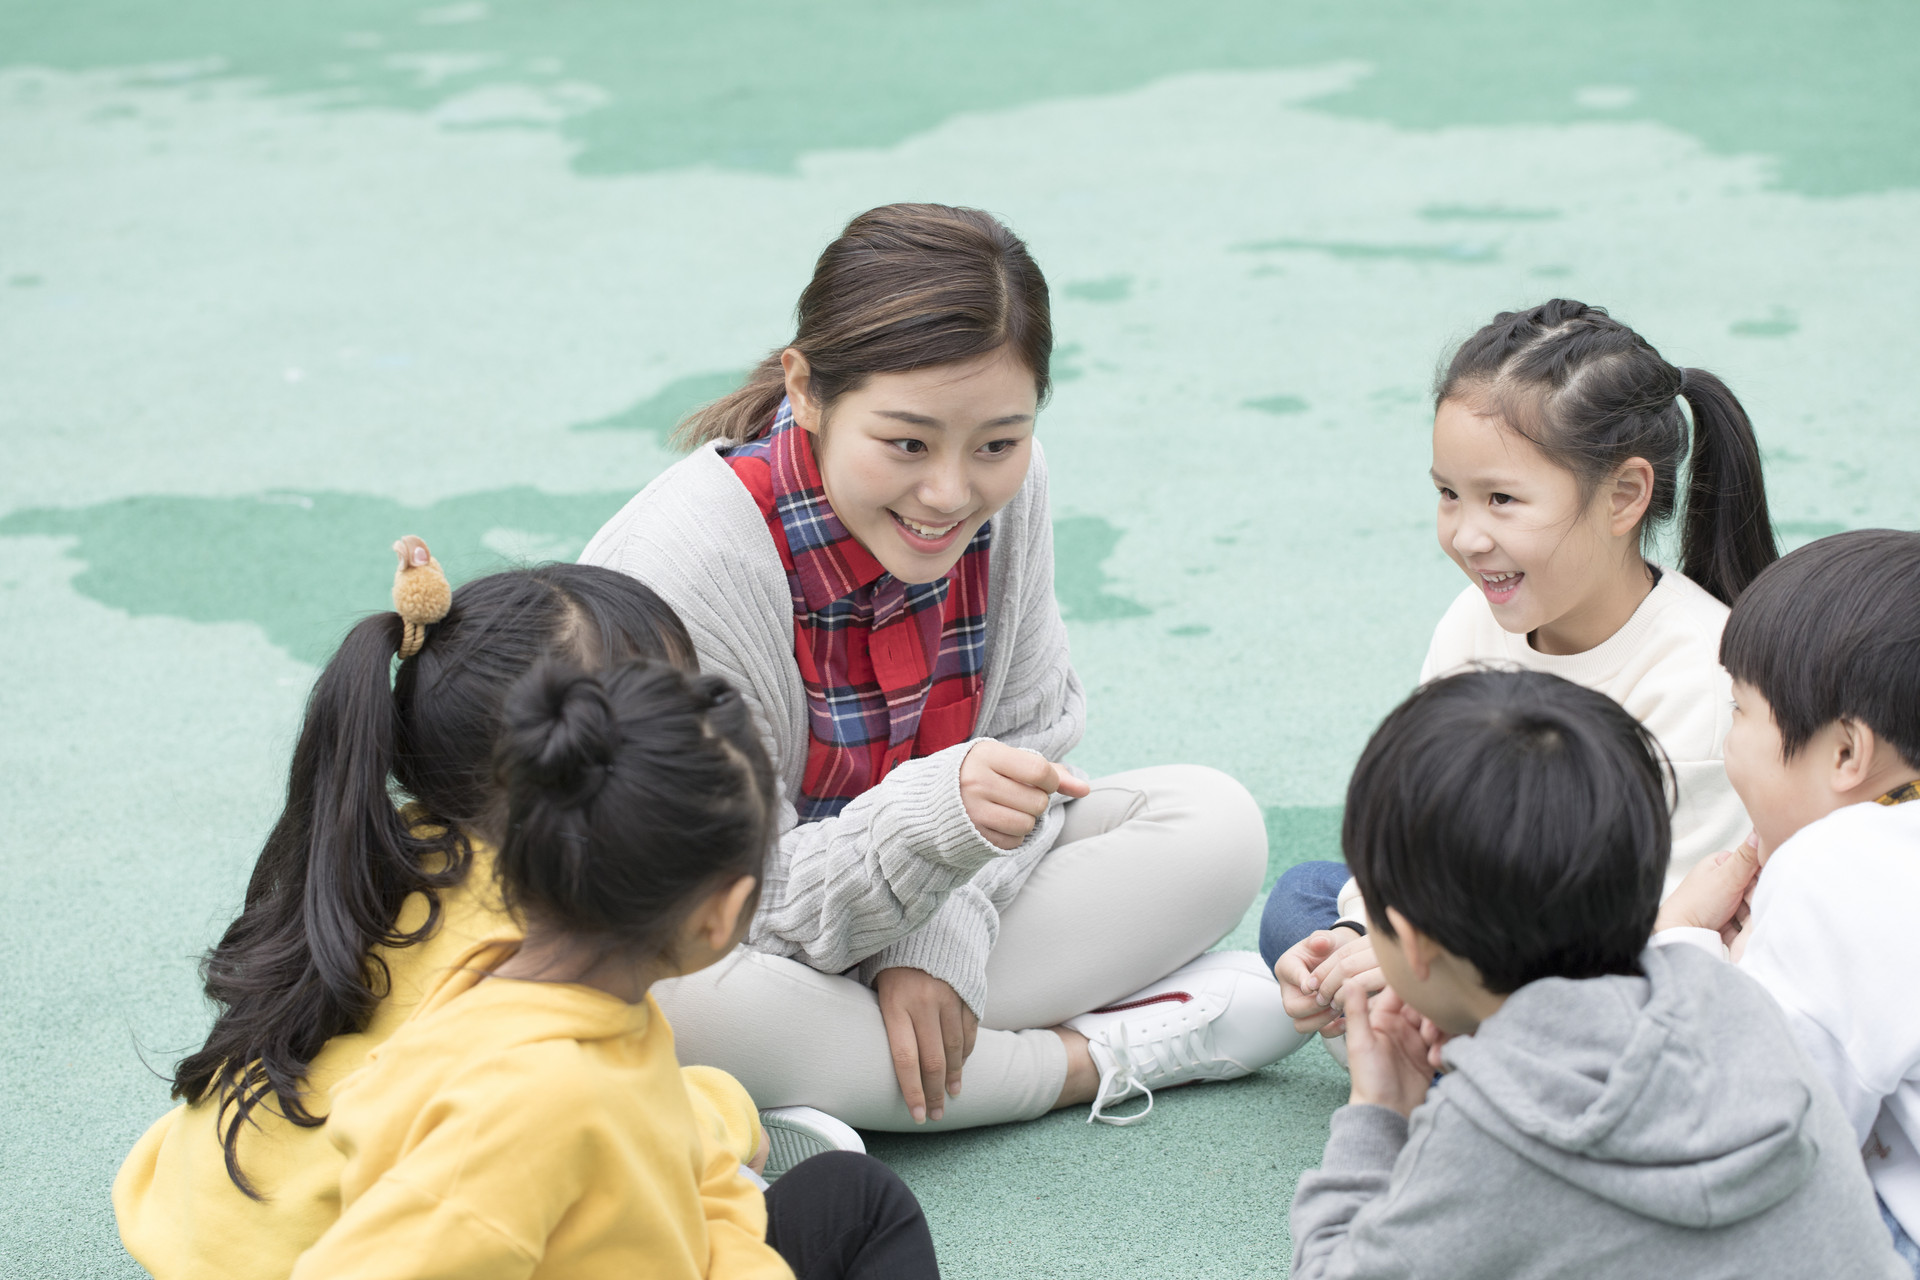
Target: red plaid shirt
(892,669)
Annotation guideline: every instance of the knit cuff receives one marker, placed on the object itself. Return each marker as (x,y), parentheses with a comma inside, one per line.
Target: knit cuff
(1364,1139)
(952,946)
(919,823)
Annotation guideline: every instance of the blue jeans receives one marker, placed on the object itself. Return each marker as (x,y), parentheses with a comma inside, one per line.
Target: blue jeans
(1305,899)
(1902,1242)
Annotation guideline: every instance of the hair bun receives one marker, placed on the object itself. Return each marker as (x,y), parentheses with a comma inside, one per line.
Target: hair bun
(562,733)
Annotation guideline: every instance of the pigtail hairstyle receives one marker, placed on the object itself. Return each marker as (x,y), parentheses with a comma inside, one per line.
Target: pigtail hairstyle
(298,966)
(1592,393)
(905,286)
(630,793)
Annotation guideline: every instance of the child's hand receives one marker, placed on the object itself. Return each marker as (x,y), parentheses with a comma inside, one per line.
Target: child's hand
(1006,789)
(1294,971)
(1386,1055)
(1349,968)
(1435,1039)
(1715,893)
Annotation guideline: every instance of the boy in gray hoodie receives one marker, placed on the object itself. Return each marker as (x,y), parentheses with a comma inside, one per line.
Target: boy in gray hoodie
(1608,1110)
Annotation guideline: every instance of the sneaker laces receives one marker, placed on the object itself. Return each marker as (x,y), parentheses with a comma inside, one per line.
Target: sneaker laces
(1119,1082)
(1167,1056)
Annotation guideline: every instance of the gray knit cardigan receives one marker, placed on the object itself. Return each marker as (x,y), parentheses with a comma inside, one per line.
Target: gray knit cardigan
(901,877)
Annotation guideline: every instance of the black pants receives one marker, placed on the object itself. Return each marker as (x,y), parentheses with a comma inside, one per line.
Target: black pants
(846,1216)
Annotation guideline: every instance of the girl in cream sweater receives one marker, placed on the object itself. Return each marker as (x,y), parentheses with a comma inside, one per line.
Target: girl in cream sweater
(1558,442)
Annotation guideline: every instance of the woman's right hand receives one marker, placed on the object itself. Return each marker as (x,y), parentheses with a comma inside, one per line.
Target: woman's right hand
(1006,790)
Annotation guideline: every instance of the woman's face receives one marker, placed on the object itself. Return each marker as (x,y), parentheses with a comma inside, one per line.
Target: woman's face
(914,463)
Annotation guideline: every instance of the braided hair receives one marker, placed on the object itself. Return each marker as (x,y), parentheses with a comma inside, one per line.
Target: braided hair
(1591,394)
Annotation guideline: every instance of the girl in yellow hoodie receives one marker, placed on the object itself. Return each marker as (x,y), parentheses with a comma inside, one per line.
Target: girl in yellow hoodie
(529,1120)
(357,907)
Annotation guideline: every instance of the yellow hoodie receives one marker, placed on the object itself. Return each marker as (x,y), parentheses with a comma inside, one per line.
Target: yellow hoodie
(532,1129)
(182,1218)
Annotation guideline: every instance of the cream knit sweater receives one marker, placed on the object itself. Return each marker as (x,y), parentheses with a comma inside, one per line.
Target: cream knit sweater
(900,877)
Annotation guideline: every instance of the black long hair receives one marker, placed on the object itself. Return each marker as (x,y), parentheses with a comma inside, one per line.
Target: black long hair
(630,793)
(1592,393)
(298,967)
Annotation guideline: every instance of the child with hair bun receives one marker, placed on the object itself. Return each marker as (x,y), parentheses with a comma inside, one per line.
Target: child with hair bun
(1559,441)
(530,1119)
(376,879)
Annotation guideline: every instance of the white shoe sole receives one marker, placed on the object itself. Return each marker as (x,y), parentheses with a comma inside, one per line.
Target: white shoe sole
(796,1133)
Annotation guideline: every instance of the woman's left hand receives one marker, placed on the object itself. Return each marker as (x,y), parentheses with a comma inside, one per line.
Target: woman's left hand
(931,1032)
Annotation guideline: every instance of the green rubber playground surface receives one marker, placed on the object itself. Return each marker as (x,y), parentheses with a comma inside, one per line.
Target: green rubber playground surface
(280,281)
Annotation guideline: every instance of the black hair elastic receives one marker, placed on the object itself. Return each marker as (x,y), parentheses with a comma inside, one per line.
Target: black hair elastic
(1354,925)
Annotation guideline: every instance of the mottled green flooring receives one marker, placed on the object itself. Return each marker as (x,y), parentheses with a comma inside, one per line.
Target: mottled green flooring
(279,281)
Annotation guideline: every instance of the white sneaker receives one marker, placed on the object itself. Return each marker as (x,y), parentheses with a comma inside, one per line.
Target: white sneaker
(794,1133)
(1218,1018)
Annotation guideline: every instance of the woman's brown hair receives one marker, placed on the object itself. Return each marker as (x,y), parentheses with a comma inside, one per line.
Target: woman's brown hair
(905,286)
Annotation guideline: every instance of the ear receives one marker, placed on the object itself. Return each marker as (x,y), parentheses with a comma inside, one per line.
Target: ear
(1854,751)
(717,920)
(1628,491)
(799,375)
(1417,947)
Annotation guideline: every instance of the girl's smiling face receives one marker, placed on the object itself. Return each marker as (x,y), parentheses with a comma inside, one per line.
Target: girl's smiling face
(914,463)
(1555,564)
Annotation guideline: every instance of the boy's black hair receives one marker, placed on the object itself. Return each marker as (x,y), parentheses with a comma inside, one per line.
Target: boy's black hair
(1832,631)
(1518,819)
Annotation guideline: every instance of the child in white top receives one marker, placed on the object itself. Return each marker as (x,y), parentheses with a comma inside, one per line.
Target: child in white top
(1825,750)
(1558,441)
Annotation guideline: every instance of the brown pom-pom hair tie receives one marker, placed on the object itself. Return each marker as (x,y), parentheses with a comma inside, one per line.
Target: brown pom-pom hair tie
(421,597)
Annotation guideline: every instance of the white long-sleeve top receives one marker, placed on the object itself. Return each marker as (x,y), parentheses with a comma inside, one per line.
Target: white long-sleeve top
(900,877)
(1663,666)
(1832,937)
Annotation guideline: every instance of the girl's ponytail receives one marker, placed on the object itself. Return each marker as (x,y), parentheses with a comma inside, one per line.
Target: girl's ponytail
(1726,537)
(296,968)
(1593,394)
(299,966)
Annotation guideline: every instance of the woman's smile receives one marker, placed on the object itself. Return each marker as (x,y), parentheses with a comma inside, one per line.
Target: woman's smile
(925,538)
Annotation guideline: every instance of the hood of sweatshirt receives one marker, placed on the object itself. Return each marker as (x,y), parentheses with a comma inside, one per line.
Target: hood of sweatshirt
(1665,1094)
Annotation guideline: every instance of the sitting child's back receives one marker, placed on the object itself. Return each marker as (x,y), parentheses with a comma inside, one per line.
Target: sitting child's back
(1608,1110)
(515,1127)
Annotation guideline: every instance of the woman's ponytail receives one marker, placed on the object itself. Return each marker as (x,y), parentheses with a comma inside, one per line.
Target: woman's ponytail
(296,968)
(1726,536)
(740,415)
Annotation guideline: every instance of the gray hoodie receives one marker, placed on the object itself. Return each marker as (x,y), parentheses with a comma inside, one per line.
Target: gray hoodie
(1629,1127)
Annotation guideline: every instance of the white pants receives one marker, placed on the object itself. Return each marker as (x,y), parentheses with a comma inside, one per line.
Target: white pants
(1151,869)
